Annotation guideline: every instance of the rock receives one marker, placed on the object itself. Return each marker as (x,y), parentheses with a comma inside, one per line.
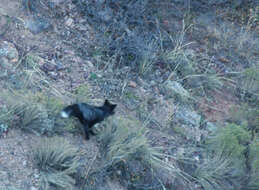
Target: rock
(56,2)
(8,51)
(90,64)
(36,176)
(187,116)
(125,69)
(132,84)
(37,25)
(152,83)
(69,22)
(176,89)
(106,14)
(24,163)
(4,64)
(53,75)
(47,67)
(59,66)
(161,110)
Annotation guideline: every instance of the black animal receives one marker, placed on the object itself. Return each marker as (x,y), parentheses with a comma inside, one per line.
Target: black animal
(89,115)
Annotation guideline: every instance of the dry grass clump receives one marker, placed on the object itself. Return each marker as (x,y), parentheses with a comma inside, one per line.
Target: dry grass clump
(35,113)
(33,118)
(57,161)
(215,173)
(129,155)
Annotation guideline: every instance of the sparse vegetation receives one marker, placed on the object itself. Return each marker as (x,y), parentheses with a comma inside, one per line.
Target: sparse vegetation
(82,93)
(126,149)
(214,173)
(31,114)
(246,115)
(165,63)
(231,148)
(57,161)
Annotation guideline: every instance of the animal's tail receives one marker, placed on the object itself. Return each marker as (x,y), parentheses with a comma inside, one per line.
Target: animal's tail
(67,111)
(64,114)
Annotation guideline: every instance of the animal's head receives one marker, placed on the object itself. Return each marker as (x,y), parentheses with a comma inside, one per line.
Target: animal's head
(109,107)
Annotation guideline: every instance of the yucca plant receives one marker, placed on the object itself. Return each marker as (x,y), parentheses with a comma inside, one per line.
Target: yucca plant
(57,161)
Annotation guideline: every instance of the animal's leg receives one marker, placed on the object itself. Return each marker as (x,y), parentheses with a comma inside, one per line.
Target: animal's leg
(87,131)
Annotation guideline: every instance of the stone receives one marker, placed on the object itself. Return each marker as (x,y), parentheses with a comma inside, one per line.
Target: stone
(132,84)
(106,14)
(37,25)
(57,2)
(187,116)
(8,51)
(24,163)
(176,89)
(69,22)
(90,64)
(36,176)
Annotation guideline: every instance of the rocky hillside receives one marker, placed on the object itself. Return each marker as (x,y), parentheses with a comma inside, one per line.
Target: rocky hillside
(184,76)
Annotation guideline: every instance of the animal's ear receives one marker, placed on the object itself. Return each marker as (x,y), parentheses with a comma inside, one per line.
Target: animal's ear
(106,102)
(113,106)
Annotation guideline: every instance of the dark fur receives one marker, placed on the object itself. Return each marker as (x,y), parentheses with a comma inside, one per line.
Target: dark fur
(89,115)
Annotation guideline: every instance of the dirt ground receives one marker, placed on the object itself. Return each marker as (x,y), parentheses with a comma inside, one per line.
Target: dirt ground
(53,41)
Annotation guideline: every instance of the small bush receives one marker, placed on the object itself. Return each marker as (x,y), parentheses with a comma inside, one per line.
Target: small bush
(229,146)
(37,113)
(122,32)
(129,154)
(230,140)
(33,118)
(57,161)
(214,173)
(248,85)
(246,115)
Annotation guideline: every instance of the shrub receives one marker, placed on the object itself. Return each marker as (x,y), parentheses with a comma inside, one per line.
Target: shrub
(57,161)
(248,85)
(246,115)
(37,113)
(214,173)
(33,118)
(230,140)
(228,146)
(122,32)
(129,155)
